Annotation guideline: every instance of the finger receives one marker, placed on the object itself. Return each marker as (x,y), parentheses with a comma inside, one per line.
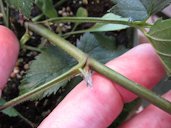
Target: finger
(98,106)
(141,65)
(150,117)
(85,107)
(9,48)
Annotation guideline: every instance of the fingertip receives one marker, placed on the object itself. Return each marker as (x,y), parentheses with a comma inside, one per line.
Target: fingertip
(151,117)
(9,50)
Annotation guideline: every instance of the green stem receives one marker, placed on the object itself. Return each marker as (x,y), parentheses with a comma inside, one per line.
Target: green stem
(96,20)
(5,18)
(26,37)
(32,48)
(70,33)
(130,85)
(123,81)
(74,33)
(57,40)
(27,96)
(36,18)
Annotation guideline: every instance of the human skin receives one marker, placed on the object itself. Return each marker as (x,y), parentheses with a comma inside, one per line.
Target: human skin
(150,117)
(99,105)
(9,48)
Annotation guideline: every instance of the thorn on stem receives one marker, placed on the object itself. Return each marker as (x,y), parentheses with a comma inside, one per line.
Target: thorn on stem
(87,74)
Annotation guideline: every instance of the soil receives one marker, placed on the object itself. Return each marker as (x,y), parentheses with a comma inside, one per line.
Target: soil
(36,111)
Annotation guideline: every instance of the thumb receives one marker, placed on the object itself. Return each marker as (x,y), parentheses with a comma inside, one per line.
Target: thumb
(9,48)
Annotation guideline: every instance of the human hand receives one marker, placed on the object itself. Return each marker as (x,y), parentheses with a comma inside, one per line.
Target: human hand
(9,48)
(99,106)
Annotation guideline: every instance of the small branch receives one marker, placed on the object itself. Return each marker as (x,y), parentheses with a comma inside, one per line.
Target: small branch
(34,19)
(96,20)
(32,48)
(26,37)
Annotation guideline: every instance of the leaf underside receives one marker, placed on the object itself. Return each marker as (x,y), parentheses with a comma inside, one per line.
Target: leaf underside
(160,36)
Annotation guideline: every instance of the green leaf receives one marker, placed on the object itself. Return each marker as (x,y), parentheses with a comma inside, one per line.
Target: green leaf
(47,8)
(82,12)
(91,44)
(138,9)
(102,27)
(48,65)
(160,36)
(11,112)
(108,42)
(24,6)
